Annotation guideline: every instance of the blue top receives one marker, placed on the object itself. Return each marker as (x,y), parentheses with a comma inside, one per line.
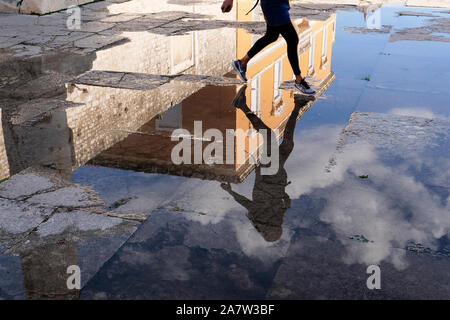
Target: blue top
(276,12)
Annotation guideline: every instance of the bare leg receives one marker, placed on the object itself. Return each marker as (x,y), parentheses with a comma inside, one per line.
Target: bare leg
(244,60)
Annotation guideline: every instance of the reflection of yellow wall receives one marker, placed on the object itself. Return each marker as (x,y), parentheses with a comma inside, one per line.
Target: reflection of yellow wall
(151,151)
(261,69)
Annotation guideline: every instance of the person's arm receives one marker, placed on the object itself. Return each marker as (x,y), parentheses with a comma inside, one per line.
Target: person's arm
(227,5)
(243,201)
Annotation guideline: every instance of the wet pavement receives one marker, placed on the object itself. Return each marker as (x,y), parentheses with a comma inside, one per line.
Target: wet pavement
(90,125)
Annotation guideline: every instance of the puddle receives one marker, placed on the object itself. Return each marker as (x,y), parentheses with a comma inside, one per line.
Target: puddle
(360,175)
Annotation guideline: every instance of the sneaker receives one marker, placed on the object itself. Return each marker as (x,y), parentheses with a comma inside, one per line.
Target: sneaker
(304,87)
(240,69)
(239,99)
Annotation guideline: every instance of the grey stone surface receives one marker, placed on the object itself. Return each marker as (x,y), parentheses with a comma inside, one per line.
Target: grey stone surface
(97,41)
(428,3)
(9,6)
(22,50)
(363,30)
(395,134)
(46,6)
(77,221)
(415,14)
(142,81)
(18,217)
(72,196)
(124,80)
(6,42)
(23,185)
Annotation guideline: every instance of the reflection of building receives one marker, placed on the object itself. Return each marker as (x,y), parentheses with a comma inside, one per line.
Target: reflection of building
(150,149)
(271,67)
(68,136)
(109,113)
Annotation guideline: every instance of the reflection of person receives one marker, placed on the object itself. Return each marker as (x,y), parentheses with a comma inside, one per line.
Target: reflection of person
(270,200)
(276,14)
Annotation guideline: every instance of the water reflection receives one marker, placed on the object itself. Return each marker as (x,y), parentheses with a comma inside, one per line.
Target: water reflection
(121,111)
(301,239)
(270,201)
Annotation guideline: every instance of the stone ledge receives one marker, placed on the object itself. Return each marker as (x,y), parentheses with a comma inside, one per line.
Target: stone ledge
(38,6)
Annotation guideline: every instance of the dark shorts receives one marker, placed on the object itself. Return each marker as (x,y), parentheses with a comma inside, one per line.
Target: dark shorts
(276,13)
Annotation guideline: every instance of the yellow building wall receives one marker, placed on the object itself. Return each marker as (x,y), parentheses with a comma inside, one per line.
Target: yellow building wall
(262,66)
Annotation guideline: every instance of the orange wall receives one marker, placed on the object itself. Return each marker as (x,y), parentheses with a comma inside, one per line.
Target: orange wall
(262,65)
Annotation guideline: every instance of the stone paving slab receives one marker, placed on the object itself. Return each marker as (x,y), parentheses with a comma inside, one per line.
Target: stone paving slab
(123,80)
(428,3)
(24,185)
(72,196)
(143,81)
(97,42)
(49,224)
(18,218)
(397,135)
(78,220)
(37,110)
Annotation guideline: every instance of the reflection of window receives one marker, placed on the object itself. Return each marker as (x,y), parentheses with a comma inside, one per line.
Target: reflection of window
(182,52)
(277,108)
(324,42)
(255,95)
(334,30)
(171,119)
(311,54)
(277,81)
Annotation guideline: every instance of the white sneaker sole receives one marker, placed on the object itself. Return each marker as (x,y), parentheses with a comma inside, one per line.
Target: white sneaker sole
(236,68)
(304,92)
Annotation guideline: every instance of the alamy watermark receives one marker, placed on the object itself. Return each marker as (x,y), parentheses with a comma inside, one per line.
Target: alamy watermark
(73,22)
(236,147)
(74,280)
(374,280)
(373,20)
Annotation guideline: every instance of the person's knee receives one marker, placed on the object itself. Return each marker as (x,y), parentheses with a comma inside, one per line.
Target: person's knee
(294,39)
(271,37)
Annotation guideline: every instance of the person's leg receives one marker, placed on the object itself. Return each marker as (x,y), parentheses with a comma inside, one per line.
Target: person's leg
(290,35)
(271,35)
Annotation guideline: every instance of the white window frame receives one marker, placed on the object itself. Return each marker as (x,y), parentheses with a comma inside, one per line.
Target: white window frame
(180,67)
(277,77)
(311,54)
(324,41)
(255,95)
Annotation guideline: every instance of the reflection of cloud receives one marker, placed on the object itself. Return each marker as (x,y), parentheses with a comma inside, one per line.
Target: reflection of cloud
(391,208)
(253,244)
(170,263)
(205,197)
(209,198)
(414,112)
(306,165)
(391,211)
